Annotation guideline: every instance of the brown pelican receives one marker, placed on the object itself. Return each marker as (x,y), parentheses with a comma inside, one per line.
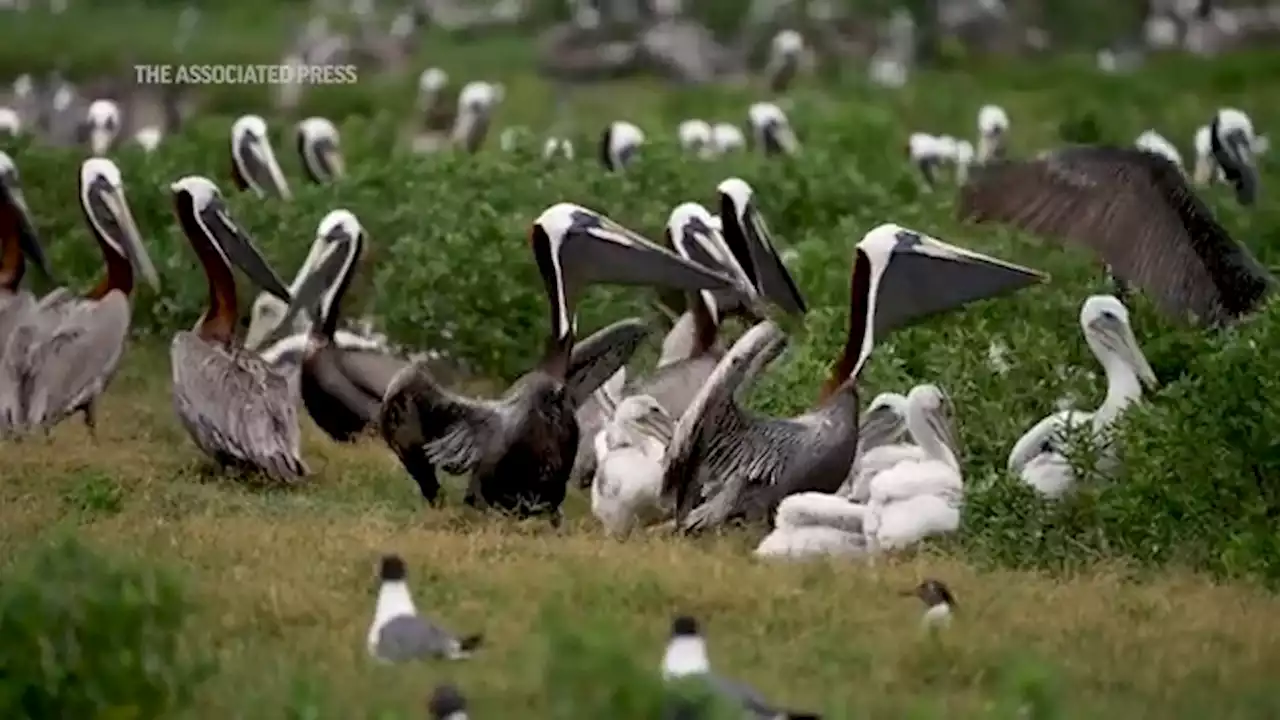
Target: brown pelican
(62,358)
(320,149)
(1232,142)
(103,122)
(695,137)
(620,144)
(342,387)
(724,462)
(520,449)
(436,114)
(238,410)
(1153,142)
(993,133)
(476,104)
(253,162)
(786,52)
(771,130)
(17,239)
(1134,209)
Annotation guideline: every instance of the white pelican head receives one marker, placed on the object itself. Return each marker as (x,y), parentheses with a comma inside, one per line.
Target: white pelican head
(1232,141)
(620,144)
(254,160)
(476,103)
(695,136)
(103,123)
(771,130)
(1105,322)
(642,415)
(432,80)
(930,417)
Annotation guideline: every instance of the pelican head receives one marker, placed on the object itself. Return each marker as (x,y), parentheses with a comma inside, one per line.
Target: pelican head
(1153,142)
(103,123)
(107,211)
(993,128)
(771,130)
(1105,322)
(642,414)
(692,232)
(1231,138)
(750,241)
(931,417)
(15,215)
(320,149)
(727,136)
(785,54)
(476,103)
(695,137)
(884,421)
(253,162)
(431,82)
(10,122)
(557,147)
(574,247)
(620,145)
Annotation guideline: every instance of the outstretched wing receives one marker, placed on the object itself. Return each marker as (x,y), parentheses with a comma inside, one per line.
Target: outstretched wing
(237,407)
(419,416)
(370,370)
(718,449)
(602,354)
(1135,210)
(70,367)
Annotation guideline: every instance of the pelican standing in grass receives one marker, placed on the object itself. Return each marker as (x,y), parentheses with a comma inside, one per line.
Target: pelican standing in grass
(724,462)
(18,239)
(771,130)
(620,145)
(1155,143)
(993,133)
(919,498)
(237,409)
(62,357)
(253,161)
(476,104)
(520,449)
(695,137)
(102,122)
(1136,211)
(1038,457)
(786,52)
(320,149)
(627,488)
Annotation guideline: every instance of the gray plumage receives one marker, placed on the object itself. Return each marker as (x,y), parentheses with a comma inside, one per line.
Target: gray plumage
(1136,211)
(409,637)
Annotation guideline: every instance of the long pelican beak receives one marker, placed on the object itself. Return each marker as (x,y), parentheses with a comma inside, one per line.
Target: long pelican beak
(310,294)
(751,243)
(779,138)
(257,162)
(324,159)
(13,204)
(1117,337)
(1241,167)
(575,247)
(236,246)
(108,210)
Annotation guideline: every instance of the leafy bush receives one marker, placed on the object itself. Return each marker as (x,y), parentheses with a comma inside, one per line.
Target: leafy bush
(91,636)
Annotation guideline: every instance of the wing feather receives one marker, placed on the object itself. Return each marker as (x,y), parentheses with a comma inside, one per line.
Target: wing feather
(236,407)
(73,365)
(1135,210)
(420,415)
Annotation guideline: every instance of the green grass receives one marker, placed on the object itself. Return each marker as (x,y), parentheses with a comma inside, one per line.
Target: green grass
(1141,597)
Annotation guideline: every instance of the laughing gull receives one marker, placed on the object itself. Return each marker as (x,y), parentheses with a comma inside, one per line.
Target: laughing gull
(686,658)
(938,600)
(447,703)
(398,634)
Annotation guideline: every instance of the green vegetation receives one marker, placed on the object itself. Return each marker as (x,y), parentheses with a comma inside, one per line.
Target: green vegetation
(1096,607)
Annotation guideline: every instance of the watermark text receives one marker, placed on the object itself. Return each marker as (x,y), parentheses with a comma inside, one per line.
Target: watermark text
(245,74)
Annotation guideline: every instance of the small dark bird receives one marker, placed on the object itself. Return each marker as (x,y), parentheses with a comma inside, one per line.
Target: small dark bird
(938,600)
(447,703)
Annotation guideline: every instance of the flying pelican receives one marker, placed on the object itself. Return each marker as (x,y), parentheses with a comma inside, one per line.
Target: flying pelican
(10,122)
(253,162)
(520,449)
(1154,142)
(814,523)
(102,121)
(726,137)
(1232,142)
(695,137)
(785,54)
(476,103)
(557,147)
(320,149)
(993,132)
(1135,210)
(724,462)
(620,144)
(1037,457)
(342,387)
(771,130)
(918,498)
(627,487)
(237,409)
(67,355)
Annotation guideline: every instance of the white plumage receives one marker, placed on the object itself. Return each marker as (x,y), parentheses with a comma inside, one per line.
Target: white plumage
(627,487)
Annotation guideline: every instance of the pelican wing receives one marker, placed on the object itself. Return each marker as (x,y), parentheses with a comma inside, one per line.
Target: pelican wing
(718,449)
(598,357)
(70,367)
(679,341)
(326,369)
(1134,209)
(369,370)
(422,419)
(236,407)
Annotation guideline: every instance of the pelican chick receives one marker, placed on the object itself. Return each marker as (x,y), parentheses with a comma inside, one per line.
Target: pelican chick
(1038,457)
(476,104)
(627,487)
(993,132)
(695,137)
(810,524)
(883,441)
(320,149)
(771,130)
(253,162)
(620,144)
(557,147)
(727,137)
(102,123)
(786,51)
(1155,143)
(919,498)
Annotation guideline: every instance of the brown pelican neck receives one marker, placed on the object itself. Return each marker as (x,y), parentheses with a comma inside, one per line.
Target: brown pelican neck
(218,324)
(12,264)
(843,377)
(119,272)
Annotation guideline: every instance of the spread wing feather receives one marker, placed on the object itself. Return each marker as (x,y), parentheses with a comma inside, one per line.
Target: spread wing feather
(370,370)
(1135,210)
(602,354)
(419,414)
(73,365)
(236,407)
